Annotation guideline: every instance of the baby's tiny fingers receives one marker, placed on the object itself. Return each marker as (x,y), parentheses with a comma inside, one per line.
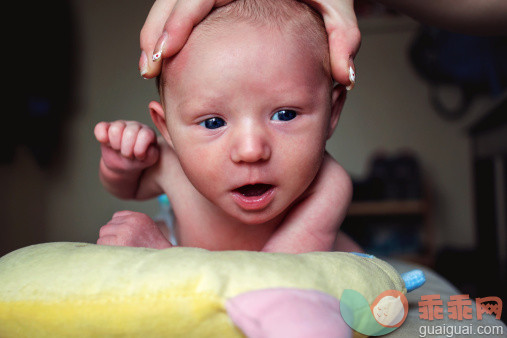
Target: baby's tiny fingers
(110,240)
(145,138)
(152,155)
(122,213)
(115,133)
(130,134)
(106,230)
(100,132)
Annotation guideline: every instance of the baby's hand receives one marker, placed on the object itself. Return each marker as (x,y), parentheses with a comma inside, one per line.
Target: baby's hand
(129,228)
(127,145)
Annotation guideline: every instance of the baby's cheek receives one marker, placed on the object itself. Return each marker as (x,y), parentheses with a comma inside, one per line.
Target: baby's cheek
(307,160)
(204,174)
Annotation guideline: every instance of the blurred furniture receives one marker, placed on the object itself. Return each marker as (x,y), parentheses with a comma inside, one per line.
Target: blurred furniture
(390,215)
(489,156)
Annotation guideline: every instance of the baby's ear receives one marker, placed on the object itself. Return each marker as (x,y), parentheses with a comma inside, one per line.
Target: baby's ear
(158,116)
(338,96)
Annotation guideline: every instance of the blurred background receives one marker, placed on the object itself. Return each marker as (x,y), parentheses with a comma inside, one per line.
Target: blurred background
(423,136)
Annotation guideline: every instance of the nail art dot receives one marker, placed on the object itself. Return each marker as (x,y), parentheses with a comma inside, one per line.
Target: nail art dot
(157,56)
(352,75)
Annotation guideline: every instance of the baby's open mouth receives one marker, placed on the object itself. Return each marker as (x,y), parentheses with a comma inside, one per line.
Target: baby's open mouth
(251,190)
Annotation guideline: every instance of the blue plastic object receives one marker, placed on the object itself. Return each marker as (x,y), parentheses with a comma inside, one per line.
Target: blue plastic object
(413,279)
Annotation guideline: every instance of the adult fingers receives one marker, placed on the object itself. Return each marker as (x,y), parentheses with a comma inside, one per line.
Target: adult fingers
(184,16)
(343,48)
(343,36)
(180,21)
(150,33)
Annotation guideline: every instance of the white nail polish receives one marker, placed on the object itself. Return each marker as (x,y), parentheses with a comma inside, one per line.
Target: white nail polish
(143,72)
(352,75)
(352,78)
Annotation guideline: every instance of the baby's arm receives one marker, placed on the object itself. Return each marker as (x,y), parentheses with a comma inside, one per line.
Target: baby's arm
(129,148)
(313,223)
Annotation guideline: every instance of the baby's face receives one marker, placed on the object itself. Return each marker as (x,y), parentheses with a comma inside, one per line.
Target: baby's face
(248,113)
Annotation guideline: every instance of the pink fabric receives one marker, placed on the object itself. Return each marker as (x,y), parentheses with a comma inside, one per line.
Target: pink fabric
(287,312)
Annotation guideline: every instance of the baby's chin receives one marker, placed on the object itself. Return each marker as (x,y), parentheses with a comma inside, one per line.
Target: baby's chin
(268,216)
(255,218)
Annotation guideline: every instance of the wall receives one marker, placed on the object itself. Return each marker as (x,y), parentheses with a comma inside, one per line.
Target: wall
(388,109)
(111,89)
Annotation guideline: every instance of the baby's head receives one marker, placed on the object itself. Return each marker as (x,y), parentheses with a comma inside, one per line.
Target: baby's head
(292,17)
(248,105)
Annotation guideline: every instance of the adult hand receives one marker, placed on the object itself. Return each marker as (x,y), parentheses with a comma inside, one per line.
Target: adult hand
(167,28)
(170,23)
(343,36)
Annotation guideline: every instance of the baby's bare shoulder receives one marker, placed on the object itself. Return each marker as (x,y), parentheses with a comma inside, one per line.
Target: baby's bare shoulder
(170,174)
(168,158)
(332,177)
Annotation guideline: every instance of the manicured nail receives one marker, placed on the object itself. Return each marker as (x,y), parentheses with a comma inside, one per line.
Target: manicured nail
(159,47)
(143,64)
(352,78)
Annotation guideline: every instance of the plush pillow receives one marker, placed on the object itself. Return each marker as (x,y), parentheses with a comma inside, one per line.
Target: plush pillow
(64,289)
(283,312)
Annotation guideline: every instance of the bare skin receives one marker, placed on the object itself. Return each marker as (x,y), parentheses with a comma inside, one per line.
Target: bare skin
(128,228)
(312,191)
(166,31)
(170,22)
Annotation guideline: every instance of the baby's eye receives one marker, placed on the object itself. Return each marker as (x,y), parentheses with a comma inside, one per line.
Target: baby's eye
(284,115)
(213,123)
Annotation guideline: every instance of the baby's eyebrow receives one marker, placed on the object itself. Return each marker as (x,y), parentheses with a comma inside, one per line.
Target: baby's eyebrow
(209,100)
(208,103)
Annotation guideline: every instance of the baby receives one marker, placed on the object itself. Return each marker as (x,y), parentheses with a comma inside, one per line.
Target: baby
(246,109)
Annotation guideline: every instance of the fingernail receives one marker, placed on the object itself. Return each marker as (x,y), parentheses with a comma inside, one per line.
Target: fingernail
(159,47)
(143,64)
(352,77)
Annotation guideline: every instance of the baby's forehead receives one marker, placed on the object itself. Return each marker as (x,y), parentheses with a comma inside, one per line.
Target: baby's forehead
(209,40)
(297,21)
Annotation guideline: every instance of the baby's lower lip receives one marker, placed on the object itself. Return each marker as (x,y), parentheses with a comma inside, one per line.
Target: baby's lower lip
(254,197)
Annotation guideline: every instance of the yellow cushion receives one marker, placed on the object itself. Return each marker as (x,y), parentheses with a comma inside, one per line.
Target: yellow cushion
(69,289)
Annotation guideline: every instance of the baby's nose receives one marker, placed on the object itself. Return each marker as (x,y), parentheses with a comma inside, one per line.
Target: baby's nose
(250,146)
